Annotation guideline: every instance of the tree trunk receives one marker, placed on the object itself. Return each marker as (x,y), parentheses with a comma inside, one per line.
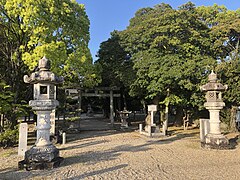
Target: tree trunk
(144,106)
(165,122)
(162,115)
(179,116)
(232,123)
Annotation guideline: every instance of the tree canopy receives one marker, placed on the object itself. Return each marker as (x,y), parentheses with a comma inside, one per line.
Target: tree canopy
(31,29)
(58,30)
(172,51)
(115,62)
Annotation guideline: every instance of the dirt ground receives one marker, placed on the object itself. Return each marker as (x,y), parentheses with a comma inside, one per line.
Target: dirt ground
(119,154)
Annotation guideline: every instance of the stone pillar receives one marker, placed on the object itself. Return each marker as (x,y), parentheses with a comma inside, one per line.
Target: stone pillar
(204,129)
(214,121)
(43,128)
(150,129)
(214,139)
(22,142)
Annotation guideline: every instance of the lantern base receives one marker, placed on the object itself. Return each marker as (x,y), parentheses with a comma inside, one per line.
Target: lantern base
(44,157)
(213,141)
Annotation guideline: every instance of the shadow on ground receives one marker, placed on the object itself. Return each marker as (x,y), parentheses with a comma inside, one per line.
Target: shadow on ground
(98,172)
(92,157)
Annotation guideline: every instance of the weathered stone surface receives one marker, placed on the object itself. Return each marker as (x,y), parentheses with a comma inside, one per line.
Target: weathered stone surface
(43,104)
(204,129)
(216,142)
(43,75)
(44,154)
(22,142)
(150,128)
(214,139)
(41,154)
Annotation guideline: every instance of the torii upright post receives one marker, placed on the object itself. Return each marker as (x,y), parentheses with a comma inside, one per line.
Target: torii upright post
(111,107)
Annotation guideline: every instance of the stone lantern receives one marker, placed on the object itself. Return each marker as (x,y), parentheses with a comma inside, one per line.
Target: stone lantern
(214,139)
(43,154)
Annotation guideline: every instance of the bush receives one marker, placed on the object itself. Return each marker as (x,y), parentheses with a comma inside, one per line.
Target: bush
(72,119)
(9,137)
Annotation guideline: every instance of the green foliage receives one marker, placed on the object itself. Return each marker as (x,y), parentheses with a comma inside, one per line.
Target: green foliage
(31,29)
(6,98)
(170,50)
(8,107)
(115,62)
(9,137)
(72,119)
(58,30)
(172,99)
(224,25)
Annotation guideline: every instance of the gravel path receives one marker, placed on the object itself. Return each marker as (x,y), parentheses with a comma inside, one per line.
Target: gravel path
(129,155)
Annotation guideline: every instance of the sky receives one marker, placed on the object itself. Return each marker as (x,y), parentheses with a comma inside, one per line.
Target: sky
(108,15)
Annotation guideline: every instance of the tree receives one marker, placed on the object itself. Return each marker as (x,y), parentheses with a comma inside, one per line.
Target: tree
(6,98)
(224,25)
(32,29)
(171,50)
(116,64)
(57,29)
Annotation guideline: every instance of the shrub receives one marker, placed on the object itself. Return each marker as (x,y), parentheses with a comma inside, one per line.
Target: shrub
(9,137)
(72,119)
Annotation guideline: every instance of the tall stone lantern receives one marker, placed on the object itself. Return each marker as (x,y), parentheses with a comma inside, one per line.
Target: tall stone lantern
(43,154)
(214,139)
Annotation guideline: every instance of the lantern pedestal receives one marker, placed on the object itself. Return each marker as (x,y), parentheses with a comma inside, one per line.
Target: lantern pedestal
(216,141)
(44,155)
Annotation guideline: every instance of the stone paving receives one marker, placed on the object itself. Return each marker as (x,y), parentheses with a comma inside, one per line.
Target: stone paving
(119,154)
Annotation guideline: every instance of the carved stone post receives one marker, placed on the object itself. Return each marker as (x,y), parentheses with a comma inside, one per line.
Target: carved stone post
(43,154)
(150,129)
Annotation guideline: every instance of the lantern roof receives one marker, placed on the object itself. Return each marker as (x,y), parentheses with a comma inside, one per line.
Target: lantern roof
(43,75)
(212,84)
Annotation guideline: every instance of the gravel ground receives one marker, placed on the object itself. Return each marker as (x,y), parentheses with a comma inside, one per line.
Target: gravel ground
(129,155)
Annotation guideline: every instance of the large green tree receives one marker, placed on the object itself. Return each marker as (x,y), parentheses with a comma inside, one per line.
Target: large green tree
(117,67)
(171,50)
(57,29)
(225,35)
(115,62)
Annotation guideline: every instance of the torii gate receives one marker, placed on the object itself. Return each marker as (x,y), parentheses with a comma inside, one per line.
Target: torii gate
(80,92)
